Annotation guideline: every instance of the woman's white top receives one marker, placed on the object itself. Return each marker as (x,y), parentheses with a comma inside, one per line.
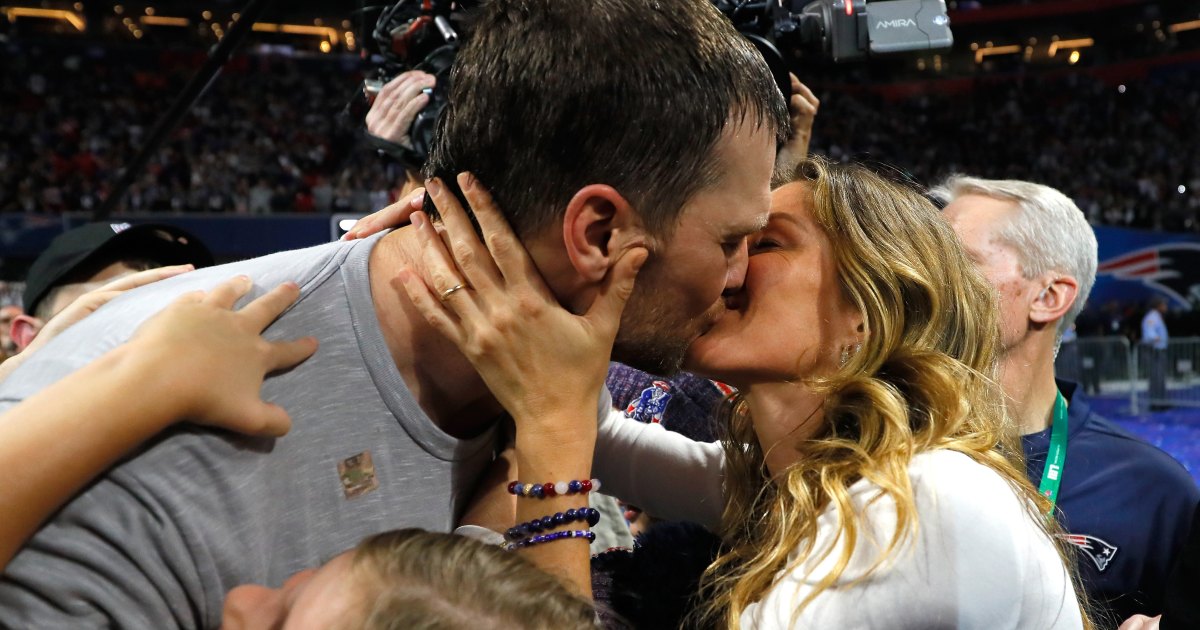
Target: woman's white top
(977,559)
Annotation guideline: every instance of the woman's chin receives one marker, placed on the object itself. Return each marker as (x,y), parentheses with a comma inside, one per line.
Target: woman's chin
(716,356)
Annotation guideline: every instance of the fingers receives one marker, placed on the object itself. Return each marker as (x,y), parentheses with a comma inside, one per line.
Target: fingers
(392,112)
(402,109)
(1141,622)
(509,255)
(469,254)
(427,305)
(392,216)
(401,119)
(269,306)
(444,278)
(271,421)
(285,355)
(801,90)
(405,86)
(227,293)
(389,95)
(142,278)
(605,313)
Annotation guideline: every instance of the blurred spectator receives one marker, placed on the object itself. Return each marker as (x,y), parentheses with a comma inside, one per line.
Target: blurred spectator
(1154,339)
(88,256)
(1126,158)
(7,314)
(264,136)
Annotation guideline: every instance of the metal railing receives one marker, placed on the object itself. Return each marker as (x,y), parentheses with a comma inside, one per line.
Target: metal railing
(1151,378)
(1101,365)
(1169,377)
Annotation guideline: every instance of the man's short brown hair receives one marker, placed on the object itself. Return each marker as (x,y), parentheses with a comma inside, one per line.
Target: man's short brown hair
(549,96)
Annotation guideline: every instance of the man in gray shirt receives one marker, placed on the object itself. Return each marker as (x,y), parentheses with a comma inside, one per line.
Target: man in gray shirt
(391,425)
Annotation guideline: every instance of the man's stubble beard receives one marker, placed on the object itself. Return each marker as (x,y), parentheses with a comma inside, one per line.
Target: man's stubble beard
(653,338)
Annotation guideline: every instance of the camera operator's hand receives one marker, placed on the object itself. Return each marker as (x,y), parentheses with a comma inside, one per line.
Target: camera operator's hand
(392,216)
(397,105)
(803,111)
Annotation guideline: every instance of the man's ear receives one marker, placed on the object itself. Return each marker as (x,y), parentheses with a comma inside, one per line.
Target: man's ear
(598,226)
(24,329)
(1053,302)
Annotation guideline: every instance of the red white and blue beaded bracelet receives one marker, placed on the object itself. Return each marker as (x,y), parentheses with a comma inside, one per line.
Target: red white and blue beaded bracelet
(551,489)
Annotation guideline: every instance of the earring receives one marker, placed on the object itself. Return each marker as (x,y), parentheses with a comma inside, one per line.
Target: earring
(847,352)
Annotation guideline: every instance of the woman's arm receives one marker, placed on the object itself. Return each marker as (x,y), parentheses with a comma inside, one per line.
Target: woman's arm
(197,360)
(664,473)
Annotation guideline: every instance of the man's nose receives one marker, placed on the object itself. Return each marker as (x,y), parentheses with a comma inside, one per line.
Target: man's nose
(736,275)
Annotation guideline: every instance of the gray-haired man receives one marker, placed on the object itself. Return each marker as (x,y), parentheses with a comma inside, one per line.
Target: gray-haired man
(1038,251)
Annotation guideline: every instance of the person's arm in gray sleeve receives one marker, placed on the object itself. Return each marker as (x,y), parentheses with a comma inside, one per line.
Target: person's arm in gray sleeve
(664,473)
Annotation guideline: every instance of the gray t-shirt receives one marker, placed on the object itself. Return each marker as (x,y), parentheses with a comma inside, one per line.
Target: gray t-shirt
(159,539)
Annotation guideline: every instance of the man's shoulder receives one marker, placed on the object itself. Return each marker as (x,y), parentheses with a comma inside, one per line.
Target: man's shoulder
(117,321)
(1109,449)
(1101,433)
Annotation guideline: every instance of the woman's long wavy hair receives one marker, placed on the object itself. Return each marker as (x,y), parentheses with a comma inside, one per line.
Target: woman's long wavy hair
(922,380)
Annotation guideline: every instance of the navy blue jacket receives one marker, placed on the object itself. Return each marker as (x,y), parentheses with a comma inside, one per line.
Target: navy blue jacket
(1126,505)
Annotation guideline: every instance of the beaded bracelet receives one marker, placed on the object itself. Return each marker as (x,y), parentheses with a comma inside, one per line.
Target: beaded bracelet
(551,537)
(547,490)
(538,525)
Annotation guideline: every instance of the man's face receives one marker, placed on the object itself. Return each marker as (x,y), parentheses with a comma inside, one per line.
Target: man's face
(7,314)
(679,290)
(71,292)
(978,220)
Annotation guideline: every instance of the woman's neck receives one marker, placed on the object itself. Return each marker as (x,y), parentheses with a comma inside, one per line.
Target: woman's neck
(784,415)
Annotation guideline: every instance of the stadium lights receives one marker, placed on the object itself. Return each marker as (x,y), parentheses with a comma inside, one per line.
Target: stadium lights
(74,19)
(1184,26)
(330,34)
(996,50)
(162,20)
(1068,44)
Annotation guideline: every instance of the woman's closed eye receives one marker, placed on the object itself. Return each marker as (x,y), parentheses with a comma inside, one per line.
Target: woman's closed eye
(763,244)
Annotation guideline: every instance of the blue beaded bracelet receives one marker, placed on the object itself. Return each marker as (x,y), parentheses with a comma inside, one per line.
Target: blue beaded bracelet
(551,537)
(538,525)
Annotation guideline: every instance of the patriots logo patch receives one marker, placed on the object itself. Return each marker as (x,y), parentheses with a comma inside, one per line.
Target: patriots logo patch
(1170,268)
(1100,551)
(651,404)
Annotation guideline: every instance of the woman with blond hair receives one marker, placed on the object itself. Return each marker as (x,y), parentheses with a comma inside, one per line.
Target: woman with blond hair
(871,477)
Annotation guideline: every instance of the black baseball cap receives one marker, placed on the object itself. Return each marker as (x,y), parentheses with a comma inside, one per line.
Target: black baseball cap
(90,245)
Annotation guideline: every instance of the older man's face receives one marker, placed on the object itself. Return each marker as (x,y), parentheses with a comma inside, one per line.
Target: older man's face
(978,221)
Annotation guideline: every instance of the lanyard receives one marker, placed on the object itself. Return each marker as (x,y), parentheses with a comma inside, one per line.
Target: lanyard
(1057,456)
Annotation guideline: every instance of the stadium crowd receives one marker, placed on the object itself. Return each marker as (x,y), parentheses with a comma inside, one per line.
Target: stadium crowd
(268,137)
